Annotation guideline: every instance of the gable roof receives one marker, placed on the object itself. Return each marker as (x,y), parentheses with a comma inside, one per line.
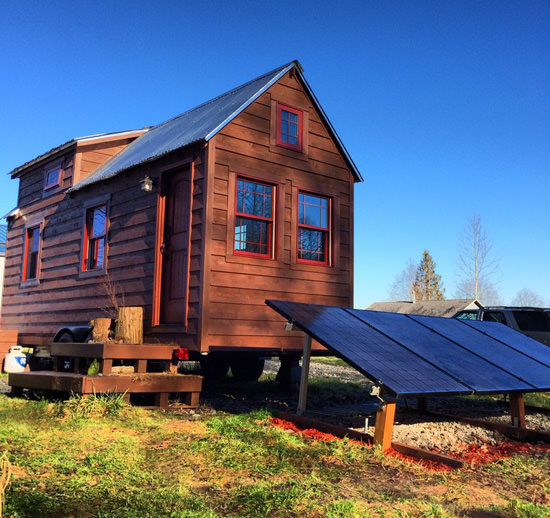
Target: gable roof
(201,124)
(75,141)
(434,308)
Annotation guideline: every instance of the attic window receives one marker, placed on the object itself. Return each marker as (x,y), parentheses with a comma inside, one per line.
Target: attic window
(289,127)
(52,177)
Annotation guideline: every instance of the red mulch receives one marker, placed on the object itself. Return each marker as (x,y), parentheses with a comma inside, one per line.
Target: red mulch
(471,453)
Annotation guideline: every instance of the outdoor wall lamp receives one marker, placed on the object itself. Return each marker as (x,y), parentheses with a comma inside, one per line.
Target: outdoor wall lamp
(146,184)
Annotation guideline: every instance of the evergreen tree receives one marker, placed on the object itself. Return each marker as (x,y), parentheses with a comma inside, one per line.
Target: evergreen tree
(427,283)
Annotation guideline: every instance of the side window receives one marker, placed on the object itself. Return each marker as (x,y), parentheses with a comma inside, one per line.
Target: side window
(532,321)
(494,316)
(52,177)
(314,230)
(254,218)
(32,253)
(289,127)
(95,231)
(467,315)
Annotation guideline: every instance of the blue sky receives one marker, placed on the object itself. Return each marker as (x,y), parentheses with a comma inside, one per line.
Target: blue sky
(443,105)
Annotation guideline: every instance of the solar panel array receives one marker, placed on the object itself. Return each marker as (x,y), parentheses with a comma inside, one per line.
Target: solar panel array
(412,355)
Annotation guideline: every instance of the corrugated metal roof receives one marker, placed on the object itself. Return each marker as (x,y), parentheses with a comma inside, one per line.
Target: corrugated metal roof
(199,124)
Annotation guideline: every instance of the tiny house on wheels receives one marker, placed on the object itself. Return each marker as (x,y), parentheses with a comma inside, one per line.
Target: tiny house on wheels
(197,220)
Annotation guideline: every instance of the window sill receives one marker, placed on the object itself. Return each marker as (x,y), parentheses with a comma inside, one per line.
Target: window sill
(31,283)
(92,273)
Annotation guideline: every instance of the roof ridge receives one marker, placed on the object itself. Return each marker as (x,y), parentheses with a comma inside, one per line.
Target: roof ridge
(229,92)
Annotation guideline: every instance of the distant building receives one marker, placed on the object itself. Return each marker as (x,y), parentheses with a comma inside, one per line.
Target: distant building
(433,308)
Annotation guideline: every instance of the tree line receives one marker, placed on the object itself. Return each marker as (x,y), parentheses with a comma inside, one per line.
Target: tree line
(477,269)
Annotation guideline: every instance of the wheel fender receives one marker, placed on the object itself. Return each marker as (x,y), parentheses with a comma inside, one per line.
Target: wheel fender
(79,333)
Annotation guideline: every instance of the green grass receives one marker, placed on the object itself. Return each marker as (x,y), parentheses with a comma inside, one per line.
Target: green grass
(98,457)
(540,399)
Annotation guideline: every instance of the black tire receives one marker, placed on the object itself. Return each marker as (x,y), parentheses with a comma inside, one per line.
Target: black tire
(214,366)
(65,337)
(247,367)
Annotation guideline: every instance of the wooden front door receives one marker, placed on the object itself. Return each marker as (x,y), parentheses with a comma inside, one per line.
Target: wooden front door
(173,247)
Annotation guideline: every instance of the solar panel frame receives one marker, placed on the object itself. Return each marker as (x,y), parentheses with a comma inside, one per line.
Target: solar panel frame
(457,361)
(391,372)
(404,361)
(524,368)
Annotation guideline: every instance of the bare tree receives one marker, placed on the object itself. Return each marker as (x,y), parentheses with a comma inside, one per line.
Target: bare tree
(476,264)
(403,285)
(527,297)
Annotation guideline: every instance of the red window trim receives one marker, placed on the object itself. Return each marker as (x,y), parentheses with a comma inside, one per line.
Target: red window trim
(86,238)
(47,170)
(25,274)
(271,221)
(299,113)
(327,232)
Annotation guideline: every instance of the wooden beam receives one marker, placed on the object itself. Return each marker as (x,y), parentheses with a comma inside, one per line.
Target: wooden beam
(419,453)
(342,432)
(522,434)
(306,357)
(383,429)
(337,431)
(517,409)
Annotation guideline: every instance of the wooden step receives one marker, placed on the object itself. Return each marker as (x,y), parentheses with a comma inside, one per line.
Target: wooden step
(161,384)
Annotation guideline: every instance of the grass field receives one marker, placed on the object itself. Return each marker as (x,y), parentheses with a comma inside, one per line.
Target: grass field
(101,458)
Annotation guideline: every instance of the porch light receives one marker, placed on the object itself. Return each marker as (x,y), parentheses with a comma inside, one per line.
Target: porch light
(146,184)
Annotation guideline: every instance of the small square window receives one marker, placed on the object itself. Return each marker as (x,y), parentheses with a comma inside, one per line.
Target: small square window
(289,127)
(52,177)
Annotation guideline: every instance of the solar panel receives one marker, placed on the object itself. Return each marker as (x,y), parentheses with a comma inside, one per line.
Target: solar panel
(378,357)
(476,372)
(517,341)
(413,355)
(486,347)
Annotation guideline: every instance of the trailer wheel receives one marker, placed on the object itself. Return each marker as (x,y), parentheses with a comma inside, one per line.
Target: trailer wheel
(214,366)
(247,367)
(65,337)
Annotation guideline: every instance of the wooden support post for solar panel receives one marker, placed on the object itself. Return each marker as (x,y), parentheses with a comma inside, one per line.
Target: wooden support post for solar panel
(383,429)
(302,398)
(517,409)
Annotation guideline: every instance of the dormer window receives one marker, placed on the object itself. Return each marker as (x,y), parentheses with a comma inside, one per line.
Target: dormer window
(289,127)
(52,177)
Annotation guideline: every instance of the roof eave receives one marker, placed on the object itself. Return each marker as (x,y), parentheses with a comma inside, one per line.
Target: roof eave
(73,142)
(245,105)
(46,156)
(339,143)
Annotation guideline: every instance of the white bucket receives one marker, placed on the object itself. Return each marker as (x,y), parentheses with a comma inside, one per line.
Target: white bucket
(15,360)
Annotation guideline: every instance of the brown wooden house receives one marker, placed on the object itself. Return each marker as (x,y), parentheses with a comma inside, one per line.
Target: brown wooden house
(198,220)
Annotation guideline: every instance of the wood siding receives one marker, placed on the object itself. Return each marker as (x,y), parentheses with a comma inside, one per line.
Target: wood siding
(62,295)
(235,314)
(226,292)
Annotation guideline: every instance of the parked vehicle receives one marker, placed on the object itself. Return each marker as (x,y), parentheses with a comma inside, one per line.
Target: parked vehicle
(533,322)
